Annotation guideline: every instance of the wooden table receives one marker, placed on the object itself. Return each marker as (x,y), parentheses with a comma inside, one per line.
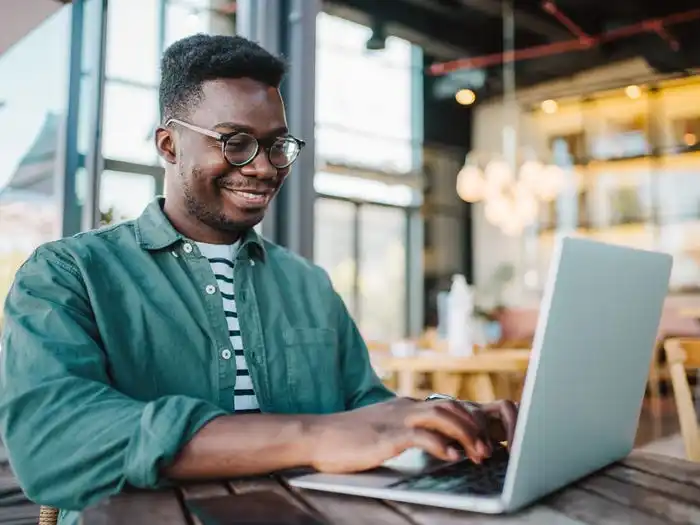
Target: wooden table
(644,489)
(467,377)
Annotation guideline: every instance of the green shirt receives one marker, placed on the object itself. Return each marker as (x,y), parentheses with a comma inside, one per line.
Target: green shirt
(113,354)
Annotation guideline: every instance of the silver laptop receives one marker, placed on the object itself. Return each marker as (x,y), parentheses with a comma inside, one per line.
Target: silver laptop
(582,397)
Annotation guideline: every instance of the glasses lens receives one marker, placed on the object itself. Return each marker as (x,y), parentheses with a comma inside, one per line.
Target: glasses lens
(283,152)
(240,148)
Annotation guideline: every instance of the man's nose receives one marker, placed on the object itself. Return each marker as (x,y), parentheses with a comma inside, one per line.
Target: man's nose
(260,167)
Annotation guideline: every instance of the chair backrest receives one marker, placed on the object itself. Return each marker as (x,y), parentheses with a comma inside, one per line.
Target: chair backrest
(683,354)
(48,515)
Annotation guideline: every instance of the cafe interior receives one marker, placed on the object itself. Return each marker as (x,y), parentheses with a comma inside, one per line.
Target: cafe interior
(584,113)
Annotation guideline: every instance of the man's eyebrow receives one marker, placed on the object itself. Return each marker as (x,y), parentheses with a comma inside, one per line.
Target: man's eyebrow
(234,126)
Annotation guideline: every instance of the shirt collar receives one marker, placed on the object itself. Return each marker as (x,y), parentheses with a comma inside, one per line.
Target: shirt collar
(155,232)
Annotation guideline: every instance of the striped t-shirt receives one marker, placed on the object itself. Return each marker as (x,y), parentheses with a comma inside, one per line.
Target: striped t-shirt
(221,257)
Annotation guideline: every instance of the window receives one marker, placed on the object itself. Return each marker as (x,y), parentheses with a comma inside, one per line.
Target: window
(188,17)
(124,196)
(363,248)
(130,119)
(334,245)
(33,98)
(132,43)
(363,98)
(382,279)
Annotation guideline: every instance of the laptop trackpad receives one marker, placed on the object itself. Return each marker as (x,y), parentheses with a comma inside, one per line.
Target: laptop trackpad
(409,463)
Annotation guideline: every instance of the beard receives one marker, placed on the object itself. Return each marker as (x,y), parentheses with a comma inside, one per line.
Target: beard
(205,214)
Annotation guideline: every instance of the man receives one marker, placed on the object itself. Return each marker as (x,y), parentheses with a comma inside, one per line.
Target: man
(181,345)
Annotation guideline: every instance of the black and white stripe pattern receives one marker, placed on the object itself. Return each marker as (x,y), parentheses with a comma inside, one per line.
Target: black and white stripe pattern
(221,260)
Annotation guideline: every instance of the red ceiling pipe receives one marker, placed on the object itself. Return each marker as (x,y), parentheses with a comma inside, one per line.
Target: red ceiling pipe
(552,8)
(646,26)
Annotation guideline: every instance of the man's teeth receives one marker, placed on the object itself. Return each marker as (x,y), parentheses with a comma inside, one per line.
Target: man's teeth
(251,195)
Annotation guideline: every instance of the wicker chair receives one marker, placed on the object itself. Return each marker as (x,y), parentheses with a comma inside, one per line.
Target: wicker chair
(48,515)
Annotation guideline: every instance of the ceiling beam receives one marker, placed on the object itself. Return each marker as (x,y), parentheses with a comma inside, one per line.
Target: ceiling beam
(432,46)
(533,23)
(468,35)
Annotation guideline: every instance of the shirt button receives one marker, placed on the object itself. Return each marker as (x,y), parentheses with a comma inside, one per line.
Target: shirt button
(187,248)
(252,263)
(210,289)
(226,353)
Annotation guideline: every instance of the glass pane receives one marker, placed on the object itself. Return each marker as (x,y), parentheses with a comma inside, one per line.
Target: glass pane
(123,196)
(130,119)
(382,281)
(132,44)
(333,245)
(363,102)
(188,17)
(32,110)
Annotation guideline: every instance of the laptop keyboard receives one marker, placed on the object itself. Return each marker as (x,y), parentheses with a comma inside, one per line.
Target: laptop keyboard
(462,477)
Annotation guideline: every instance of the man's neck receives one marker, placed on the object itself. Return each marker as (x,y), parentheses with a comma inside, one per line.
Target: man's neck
(197,230)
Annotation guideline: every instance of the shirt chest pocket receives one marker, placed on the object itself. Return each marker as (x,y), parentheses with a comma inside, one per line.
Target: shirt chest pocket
(314,370)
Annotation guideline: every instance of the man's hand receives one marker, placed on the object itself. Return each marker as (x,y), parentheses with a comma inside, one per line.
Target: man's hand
(365,438)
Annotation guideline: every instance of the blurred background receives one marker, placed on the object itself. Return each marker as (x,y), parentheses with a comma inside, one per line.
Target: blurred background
(445,137)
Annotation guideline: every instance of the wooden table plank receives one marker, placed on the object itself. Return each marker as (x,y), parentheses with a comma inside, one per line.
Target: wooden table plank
(423,515)
(645,500)
(274,484)
(198,491)
(591,508)
(349,510)
(674,469)
(25,512)
(490,362)
(682,491)
(137,508)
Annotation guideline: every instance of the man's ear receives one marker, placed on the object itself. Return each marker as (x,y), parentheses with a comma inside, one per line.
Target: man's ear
(165,144)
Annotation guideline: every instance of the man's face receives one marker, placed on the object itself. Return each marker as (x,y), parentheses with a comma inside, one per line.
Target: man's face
(210,189)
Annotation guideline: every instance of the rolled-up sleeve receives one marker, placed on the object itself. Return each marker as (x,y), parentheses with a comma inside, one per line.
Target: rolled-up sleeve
(72,439)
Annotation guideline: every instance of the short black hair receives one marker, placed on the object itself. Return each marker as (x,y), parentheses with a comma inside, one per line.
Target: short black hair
(189,62)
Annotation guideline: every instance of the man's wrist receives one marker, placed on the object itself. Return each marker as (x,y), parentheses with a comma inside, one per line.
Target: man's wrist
(310,434)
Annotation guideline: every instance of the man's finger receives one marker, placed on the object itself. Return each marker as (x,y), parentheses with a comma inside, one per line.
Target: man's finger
(506,412)
(472,413)
(460,429)
(433,443)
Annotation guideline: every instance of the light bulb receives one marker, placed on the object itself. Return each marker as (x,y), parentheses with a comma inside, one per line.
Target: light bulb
(525,203)
(465,97)
(551,184)
(530,173)
(498,173)
(497,210)
(470,184)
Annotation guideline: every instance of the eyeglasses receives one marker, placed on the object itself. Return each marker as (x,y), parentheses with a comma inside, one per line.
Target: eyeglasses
(240,148)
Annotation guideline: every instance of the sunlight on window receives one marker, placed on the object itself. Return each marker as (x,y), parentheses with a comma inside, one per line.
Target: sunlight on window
(125,194)
(333,245)
(33,95)
(350,187)
(132,44)
(363,98)
(131,115)
(382,284)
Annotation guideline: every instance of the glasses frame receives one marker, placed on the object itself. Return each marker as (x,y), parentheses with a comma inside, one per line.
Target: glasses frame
(224,138)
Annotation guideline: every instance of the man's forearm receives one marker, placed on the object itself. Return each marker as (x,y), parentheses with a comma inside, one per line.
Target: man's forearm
(230,446)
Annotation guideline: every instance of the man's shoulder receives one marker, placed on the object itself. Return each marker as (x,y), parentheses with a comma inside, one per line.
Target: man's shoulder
(87,246)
